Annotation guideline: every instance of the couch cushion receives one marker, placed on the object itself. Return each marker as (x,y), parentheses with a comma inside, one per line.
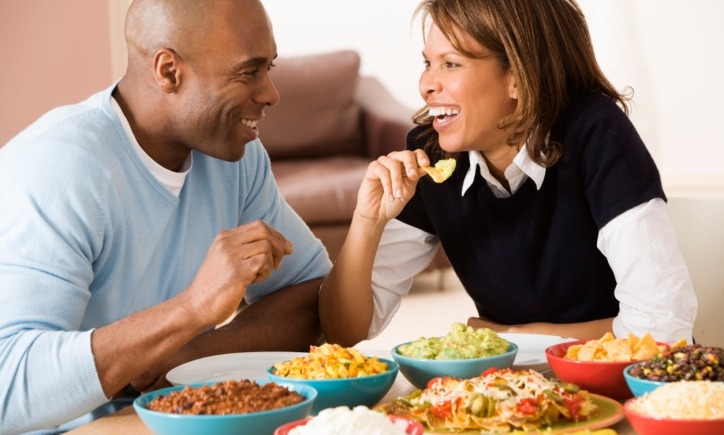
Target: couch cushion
(322,190)
(316,114)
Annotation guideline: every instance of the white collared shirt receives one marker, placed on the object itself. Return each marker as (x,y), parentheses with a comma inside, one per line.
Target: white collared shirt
(520,170)
(654,290)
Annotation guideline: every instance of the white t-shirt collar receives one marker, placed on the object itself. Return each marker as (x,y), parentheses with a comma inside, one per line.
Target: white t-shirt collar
(171,180)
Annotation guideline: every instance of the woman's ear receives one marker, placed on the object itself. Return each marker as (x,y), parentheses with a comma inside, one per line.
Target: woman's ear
(166,70)
(512,86)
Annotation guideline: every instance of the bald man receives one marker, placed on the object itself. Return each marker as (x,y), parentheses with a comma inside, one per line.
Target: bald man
(137,220)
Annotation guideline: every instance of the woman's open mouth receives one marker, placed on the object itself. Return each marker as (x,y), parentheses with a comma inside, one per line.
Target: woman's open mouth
(443,115)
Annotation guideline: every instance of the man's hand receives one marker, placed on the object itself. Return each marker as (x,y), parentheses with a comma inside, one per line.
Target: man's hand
(237,258)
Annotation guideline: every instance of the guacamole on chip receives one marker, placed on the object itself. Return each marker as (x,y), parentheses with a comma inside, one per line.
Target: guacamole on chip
(462,342)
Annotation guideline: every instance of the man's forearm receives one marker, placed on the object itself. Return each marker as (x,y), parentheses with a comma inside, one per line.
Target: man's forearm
(159,331)
(285,320)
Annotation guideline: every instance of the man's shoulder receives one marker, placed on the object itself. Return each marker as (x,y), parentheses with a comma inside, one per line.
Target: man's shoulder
(72,134)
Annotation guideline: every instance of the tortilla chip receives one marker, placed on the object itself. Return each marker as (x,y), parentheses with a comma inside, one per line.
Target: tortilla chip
(646,348)
(606,337)
(587,353)
(617,350)
(680,343)
(610,348)
(633,340)
(572,352)
(442,170)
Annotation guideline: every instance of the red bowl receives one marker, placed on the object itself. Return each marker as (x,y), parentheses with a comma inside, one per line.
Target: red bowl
(646,425)
(599,377)
(411,427)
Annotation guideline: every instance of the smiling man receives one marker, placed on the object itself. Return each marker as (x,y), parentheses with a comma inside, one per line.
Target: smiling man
(136,221)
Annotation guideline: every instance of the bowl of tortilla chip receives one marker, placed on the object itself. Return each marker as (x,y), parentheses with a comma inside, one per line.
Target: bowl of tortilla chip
(598,365)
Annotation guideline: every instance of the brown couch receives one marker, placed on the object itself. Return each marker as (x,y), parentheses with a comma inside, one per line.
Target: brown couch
(330,123)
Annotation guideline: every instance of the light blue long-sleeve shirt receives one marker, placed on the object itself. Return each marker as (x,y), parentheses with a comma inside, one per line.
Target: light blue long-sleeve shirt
(89,236)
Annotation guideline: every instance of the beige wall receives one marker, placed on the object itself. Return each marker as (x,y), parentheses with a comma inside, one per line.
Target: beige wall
(59,51)
(51,53)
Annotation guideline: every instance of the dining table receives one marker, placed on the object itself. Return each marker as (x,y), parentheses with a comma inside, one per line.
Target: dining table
(126,421)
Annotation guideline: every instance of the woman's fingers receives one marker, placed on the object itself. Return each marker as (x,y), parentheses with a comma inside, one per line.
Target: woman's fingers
(397,169)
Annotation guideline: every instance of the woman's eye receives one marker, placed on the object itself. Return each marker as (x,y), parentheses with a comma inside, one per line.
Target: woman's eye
(451,65)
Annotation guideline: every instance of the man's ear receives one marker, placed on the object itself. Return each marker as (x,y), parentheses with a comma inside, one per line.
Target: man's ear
(166,70)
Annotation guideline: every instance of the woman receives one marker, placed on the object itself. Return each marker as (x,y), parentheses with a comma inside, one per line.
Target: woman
(554,220)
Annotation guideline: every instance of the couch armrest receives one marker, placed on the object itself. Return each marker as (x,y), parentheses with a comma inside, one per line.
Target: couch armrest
(385,120)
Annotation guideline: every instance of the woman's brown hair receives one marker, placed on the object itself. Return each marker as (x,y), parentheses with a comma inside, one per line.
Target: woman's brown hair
(546,44)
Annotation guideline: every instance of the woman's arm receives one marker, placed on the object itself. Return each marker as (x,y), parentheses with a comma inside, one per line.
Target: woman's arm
(345,299)
(346,303)
(654,289)
(583,331)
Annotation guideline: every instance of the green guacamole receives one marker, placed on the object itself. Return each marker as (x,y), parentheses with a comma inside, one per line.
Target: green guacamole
(462,342)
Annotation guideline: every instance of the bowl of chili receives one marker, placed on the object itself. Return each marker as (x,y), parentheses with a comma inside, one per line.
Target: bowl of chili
(224,408)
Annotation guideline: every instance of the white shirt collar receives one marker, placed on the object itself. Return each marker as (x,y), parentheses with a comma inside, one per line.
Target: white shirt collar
(172,181)
(519,170)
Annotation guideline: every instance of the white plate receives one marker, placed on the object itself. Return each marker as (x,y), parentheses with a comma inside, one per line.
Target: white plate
(531,349)
(216,368)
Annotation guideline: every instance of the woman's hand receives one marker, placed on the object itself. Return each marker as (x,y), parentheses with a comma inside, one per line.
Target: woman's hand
(389,184)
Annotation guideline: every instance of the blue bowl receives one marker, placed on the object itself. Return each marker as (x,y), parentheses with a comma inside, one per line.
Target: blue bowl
(420,371)
(639,386)
(350,392)
(262,422)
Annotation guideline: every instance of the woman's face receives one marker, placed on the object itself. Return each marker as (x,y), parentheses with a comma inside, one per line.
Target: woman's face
(468,97)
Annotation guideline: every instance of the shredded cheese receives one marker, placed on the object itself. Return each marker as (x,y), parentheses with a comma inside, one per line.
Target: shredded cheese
(686,400)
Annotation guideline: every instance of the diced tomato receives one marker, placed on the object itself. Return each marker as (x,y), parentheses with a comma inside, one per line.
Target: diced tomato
(527,406)
(443,410)
(488,371)
(573,403)
(432,381)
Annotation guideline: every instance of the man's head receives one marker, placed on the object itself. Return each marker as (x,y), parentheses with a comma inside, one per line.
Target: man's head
(197,76)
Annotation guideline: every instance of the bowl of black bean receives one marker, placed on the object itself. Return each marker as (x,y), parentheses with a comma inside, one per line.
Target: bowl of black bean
(694,362)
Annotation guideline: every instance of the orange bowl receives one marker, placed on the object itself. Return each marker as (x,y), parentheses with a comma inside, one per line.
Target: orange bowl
(647,425)
(599,377)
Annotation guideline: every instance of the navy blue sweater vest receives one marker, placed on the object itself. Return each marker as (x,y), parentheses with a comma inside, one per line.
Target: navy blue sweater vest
(533,257)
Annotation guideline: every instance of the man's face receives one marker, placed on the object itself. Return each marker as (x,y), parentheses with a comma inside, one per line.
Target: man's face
(226,88)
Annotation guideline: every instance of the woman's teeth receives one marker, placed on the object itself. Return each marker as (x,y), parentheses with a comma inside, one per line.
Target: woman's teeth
(441,111)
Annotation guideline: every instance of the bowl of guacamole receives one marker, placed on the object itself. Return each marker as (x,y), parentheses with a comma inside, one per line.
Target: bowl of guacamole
(465,352)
